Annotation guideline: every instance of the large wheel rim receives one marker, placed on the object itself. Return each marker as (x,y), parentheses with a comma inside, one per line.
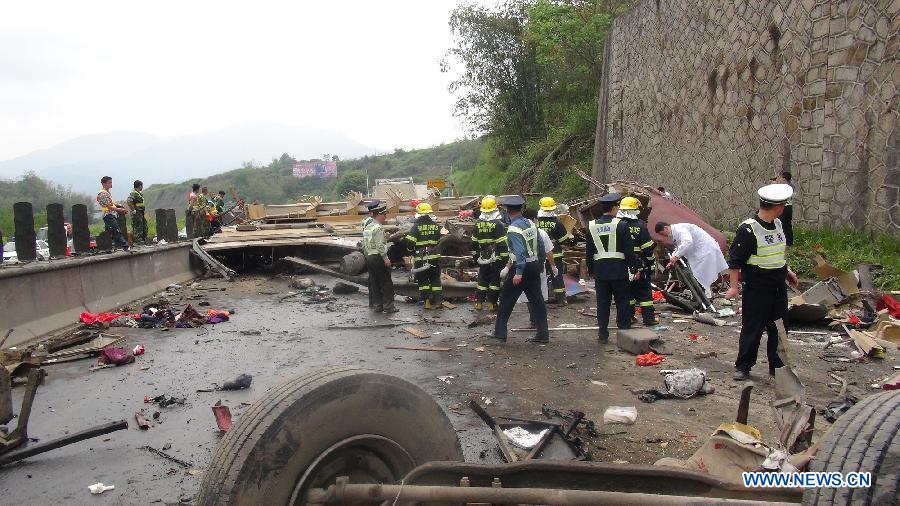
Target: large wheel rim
(365,458)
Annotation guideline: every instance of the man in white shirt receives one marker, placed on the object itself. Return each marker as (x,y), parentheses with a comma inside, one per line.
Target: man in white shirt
(699,248)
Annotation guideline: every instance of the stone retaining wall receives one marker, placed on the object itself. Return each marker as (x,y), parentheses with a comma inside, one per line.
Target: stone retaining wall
(711,98)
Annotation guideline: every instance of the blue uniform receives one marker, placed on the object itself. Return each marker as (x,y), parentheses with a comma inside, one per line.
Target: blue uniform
(526,252)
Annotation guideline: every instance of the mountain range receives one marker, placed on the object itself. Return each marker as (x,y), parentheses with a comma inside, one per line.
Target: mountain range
(126,155)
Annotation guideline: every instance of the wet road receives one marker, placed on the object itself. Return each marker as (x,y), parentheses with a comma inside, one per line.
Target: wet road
(293,339)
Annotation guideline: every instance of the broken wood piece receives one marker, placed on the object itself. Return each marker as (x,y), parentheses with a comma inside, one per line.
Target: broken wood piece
(142,421)
(420,334)
(865,343)
(505,449)
(448,305)
(558,328)
(416,348)
(167,456)
(100,366)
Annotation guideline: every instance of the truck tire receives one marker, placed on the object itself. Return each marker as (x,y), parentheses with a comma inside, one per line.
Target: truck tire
(863,439)
(330,422)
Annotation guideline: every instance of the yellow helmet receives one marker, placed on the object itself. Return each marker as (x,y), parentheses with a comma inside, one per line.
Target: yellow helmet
(488,204)
(630,204)
(548,204)
(424,208)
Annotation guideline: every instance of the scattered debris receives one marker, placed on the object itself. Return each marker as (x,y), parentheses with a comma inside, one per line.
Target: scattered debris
(620,414)
(165,401)
(301,283)
(241,382)
(167,456)
(341,288)
(419,334)
(482,320)
(524,439)
(416,348)
(679,383)
(115,355)
(99,488)
(598,383)
(138,350)
(709,318)
(250,333)
(445,379)
(142,421)
(223,416)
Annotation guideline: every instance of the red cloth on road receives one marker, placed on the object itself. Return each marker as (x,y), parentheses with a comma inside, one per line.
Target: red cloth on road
(94,318)
(648,359)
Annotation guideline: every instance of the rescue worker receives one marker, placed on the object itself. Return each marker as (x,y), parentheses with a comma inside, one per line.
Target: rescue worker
(524,244)
(548,220)
(381,286)
(138,218)
(641,291)
(611,260)
(490,253)
(757,263)
(219,202)
(192,211)
(422,240)
(110,211)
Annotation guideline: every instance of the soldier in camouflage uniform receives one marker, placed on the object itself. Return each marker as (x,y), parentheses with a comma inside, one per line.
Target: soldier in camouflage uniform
(138,218)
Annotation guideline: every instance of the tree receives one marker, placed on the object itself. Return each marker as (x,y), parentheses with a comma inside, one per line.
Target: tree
(353,180)
(335,159)
(500,86)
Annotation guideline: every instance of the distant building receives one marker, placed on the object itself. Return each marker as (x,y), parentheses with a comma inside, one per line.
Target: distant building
(315,169)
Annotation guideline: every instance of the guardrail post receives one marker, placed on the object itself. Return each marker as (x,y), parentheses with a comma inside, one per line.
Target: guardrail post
(188,224)
(104,241)
(56,230)
(172,222)
(162,225)
(23,216)
(81,234)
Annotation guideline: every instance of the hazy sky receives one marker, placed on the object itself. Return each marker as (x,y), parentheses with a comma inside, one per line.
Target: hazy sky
(369,68)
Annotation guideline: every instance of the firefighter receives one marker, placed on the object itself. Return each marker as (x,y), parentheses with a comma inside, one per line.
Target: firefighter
(381,286)
(610,259)
(757,264)
(641,291)
(490,253)
(548,221)
(138,218)
(422,240)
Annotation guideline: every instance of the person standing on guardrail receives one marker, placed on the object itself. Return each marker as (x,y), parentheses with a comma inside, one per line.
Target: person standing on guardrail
(138,218)
(757,263)
(110,209)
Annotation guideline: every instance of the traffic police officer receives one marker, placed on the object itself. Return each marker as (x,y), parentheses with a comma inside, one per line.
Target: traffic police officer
(422,240)
(548,220)
(138,219)
(611,260)
(490,253)
(757,263)
(641,290)
(381,286)
(525,245)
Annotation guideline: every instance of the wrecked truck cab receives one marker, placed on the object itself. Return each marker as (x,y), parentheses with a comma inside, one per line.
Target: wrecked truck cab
(346,435)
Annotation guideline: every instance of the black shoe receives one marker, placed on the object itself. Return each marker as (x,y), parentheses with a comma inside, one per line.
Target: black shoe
(603,340)
(378,309)
(538,340)
(498,338)
(740,375)
(771,371)
(391,309)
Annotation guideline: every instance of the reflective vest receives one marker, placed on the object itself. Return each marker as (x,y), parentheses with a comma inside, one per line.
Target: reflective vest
(770,246)
(530,235)
(599,230)
(369,246)
(137,199)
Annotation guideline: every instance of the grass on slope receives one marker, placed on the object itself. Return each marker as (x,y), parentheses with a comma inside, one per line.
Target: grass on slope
(845,249)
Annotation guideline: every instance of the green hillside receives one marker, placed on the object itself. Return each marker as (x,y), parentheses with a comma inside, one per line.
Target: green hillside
(275,183)
(40,192)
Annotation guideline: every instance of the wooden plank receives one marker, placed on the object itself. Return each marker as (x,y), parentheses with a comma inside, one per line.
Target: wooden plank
(420,334)
(416,348)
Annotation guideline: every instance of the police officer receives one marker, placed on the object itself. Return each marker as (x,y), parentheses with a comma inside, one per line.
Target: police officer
(641,291)
(548,220)
(138,218)
(611,260)
(490,253)
(524,245)
(757,263)
(381,286)
(422,240)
